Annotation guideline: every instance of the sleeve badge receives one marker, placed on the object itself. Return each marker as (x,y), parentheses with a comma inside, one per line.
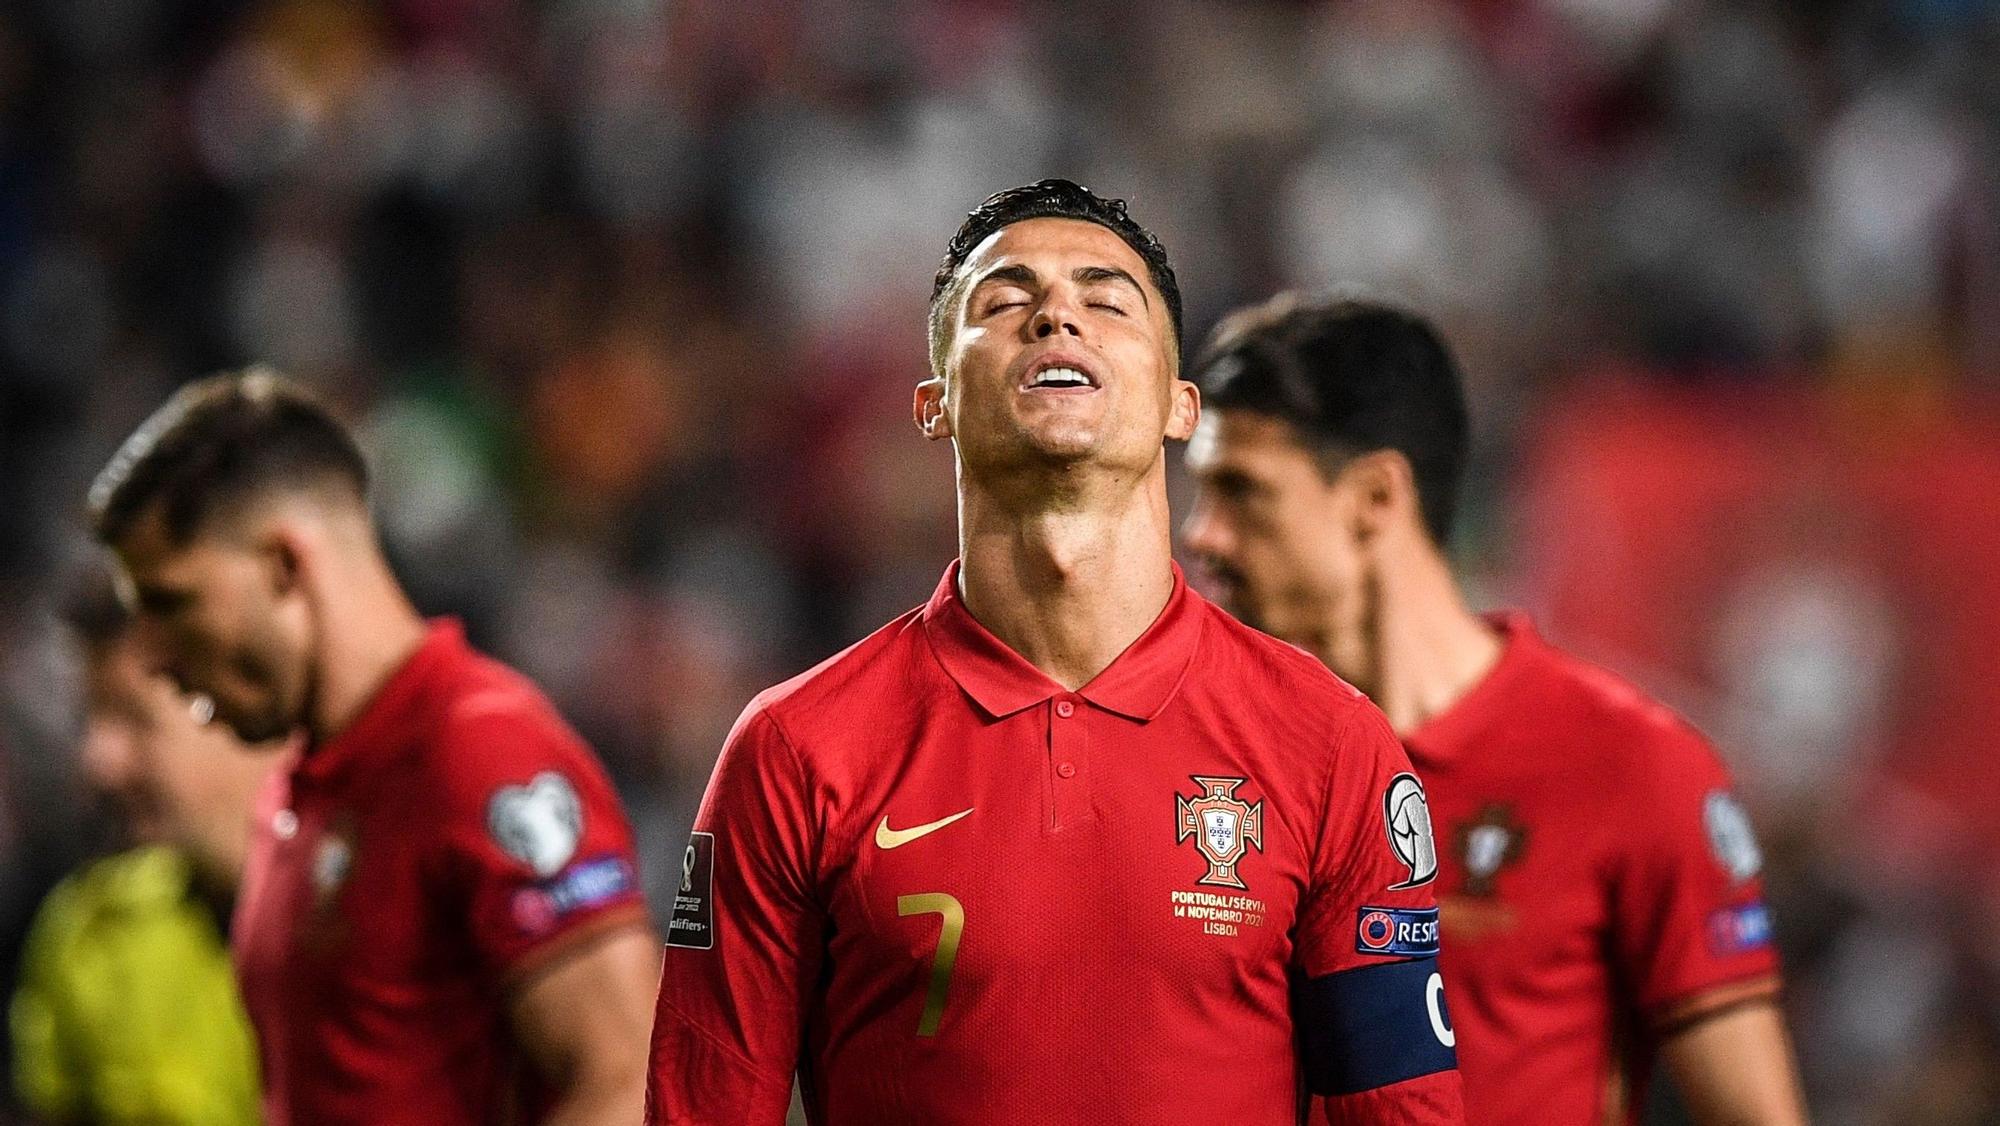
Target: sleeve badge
(1730,836)
(1407,816)
(539,824)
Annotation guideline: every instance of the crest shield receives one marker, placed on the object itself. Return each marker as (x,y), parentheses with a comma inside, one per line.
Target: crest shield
(1223,826)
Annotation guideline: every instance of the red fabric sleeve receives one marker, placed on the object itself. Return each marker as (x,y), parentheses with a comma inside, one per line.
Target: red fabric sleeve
(1428,1100)
(1375,865)
(537,854)
(1691,928)
(1356,862)
(744,948)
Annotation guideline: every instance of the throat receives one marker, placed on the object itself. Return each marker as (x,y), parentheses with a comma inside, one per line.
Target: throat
(1068,592)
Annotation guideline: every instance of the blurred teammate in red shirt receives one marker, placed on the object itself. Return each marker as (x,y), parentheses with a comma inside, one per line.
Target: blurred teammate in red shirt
(1599,882)
(440,920)
(1066,845)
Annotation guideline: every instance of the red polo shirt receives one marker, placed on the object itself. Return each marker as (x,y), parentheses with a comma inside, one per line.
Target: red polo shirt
(403,876)
(1599,885)
(946,890)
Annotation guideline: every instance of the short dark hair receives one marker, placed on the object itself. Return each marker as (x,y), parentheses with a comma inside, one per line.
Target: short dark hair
(1047,199)
(92,608)
(217,443)
(1351,377)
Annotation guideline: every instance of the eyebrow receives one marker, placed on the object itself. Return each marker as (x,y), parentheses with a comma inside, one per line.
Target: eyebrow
(1091,275)
(1023,275)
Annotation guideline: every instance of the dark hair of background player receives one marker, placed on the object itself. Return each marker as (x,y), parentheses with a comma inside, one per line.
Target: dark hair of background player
(1351,377)
(92,609)
(217,443)
(1046,199)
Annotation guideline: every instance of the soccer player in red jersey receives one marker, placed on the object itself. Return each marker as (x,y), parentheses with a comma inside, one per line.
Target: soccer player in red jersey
(1599,882)
(440,920)
(1066,844)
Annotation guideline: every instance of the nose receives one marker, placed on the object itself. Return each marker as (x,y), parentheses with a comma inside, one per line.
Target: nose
(1205,533)
(149,640)
(1056,315)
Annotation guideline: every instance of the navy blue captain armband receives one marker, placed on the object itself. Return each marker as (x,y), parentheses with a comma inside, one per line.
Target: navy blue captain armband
(1369,1027)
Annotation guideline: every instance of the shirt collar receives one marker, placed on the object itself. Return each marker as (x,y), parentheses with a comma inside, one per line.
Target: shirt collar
(1493,698)
(386,721)
(1139,684)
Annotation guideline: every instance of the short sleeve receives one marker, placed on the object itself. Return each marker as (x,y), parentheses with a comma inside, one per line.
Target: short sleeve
(538,855)
(1692,931)
(744,948)
(1376,1043)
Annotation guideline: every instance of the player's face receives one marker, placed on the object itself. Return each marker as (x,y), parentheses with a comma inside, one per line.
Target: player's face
(173,780)
(224,617)
(1272,531)
(1062,353)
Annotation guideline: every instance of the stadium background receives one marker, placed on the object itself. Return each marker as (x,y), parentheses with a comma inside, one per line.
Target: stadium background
(627,297)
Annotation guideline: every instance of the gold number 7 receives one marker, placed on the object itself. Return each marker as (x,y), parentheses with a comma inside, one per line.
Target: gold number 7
(936,903)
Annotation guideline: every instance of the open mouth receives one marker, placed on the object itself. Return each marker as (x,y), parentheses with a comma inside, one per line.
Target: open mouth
(1059,374)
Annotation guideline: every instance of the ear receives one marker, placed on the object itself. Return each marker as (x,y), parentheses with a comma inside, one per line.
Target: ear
(927,409)
(286,550)
(1384,492)
(1184,412)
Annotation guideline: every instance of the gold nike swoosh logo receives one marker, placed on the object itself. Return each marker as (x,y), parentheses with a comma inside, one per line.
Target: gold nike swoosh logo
(885,837)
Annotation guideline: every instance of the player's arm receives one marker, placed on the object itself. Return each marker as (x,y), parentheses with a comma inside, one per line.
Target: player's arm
(583,1022)
(1694,937)
(744,947)
(537,866)
(1375,1037)
(1735,1068)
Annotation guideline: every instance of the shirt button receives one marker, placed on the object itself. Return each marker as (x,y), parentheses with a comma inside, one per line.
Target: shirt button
(1067,770)
(285,823)
(1065,709)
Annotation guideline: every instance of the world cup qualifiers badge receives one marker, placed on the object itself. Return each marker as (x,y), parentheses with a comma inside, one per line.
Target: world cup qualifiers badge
(1223,827)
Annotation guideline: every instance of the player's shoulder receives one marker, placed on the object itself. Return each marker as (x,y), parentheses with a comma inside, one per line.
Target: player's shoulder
(1630,732)
(489,724)
(483,692)
(138,882)
(1237,658)
(843,689)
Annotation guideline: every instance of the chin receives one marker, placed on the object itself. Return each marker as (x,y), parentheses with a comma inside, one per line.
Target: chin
(1063,454)
(1069,439)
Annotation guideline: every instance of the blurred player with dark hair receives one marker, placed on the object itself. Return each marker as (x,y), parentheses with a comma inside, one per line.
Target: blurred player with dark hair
(1599,881)
(127,1010)
(1067,844)
(440,921)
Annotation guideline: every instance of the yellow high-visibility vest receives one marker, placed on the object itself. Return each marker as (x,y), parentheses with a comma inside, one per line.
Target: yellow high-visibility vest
(127,1010)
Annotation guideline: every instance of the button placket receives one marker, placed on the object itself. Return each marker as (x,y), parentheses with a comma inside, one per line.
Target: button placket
(1066,746)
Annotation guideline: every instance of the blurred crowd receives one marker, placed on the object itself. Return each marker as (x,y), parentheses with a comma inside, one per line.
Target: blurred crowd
(626,298)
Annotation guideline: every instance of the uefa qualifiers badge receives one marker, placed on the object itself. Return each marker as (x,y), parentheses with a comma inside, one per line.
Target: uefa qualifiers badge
(1730,836)
(1223,827)
(1407,816)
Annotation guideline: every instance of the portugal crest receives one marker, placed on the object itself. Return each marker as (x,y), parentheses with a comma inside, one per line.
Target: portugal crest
(1223,827)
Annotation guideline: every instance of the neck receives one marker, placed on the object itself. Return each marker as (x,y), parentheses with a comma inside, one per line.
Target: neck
(1069,587)
(368,631)
(1424,649)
